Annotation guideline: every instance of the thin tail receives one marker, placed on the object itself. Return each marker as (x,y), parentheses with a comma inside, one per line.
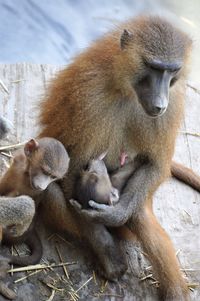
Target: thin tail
(185,175)
(35,245)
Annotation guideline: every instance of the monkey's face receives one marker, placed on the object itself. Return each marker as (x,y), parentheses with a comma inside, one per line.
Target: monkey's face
(40,174)
(154,86)
(155,55)
(39,179)
(48,162)
(97,181)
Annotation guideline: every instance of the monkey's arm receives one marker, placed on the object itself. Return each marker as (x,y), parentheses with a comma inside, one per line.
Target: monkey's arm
(144,181)
(120,177)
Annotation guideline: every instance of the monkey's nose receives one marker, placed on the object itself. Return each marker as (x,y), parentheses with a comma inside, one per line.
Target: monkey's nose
(159,110)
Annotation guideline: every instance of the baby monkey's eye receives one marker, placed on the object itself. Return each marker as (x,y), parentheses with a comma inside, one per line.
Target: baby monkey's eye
(87,166)
(53,177)
(45,172)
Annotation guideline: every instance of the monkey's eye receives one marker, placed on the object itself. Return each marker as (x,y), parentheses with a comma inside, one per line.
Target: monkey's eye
(86,167)
(45,172)
(143,81)
(53,177)
(173,81)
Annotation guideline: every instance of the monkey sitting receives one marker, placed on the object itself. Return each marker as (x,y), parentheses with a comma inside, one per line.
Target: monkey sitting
(40,163)
(94,185)
(18,211)
(16,214)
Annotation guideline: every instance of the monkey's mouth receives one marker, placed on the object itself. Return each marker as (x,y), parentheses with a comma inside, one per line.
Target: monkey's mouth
(154,112)
(154,116)
(35,187)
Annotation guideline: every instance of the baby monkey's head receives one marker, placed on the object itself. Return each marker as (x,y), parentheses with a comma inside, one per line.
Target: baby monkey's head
(48,161)
(94,184)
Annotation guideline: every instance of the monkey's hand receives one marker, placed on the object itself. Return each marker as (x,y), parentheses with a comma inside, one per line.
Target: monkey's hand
(145,181)
(110,216)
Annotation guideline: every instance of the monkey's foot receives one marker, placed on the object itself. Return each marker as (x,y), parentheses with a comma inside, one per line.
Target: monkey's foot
(113,267)
(113,272)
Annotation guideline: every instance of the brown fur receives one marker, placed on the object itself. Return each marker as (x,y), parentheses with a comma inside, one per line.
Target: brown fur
(92,106)
(44,160)
(48,157)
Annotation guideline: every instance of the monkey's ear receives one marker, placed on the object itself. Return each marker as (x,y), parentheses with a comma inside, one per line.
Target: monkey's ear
(93,178)
(102,156)
(126,37)
(30,147)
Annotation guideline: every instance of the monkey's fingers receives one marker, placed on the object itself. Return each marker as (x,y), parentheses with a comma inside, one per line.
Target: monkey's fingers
(75,204)
(98,206)
(106,215)
(6,291)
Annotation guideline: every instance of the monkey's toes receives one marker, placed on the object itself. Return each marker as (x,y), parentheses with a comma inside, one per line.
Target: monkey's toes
(113,272)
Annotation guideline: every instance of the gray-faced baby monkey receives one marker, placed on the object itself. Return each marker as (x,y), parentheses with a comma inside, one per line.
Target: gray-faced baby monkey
(95,186)
(41,162)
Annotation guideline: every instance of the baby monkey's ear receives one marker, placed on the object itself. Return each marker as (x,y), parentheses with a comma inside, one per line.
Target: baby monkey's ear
(93,178)
(31,146)
(102,156)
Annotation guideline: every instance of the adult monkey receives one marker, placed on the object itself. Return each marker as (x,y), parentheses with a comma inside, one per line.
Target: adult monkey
(124,94)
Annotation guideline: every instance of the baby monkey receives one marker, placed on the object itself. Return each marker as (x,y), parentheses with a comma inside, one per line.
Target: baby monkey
(41,162)
(95,186)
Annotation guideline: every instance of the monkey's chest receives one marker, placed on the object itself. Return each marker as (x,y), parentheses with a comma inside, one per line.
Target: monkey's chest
(119,155)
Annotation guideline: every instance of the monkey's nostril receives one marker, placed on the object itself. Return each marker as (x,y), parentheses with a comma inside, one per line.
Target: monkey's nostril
(159,110)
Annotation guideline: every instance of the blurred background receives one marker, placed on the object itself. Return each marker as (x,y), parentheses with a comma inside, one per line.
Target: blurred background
(52,32)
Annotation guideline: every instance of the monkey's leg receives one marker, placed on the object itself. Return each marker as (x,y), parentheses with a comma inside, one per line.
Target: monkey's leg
(59,215)
(157,244)
(106,248)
